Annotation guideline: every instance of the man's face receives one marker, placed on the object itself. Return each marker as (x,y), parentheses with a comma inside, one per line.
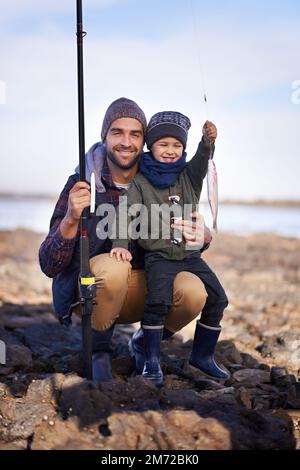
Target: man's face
(124,142)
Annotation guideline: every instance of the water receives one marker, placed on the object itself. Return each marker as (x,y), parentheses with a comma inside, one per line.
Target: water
(35,215)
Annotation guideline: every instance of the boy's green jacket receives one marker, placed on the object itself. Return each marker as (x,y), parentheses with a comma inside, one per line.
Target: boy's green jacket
(150,209)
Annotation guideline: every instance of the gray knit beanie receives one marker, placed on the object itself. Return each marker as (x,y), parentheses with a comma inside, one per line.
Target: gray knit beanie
(167,124)
(122,108)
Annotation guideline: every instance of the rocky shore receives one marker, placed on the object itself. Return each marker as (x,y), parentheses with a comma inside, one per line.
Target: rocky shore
(45,404)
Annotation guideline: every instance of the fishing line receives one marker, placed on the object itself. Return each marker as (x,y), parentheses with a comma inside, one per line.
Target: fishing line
(211,178)
(197,52)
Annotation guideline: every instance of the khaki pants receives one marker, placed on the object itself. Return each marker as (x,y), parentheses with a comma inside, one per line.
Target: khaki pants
(121,292)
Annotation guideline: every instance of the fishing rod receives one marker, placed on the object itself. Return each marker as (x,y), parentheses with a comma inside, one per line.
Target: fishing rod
(87,286)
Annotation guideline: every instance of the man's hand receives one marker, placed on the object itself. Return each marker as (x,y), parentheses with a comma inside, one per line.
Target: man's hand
(209,133)
(121,253)
(194,231)
(79,199)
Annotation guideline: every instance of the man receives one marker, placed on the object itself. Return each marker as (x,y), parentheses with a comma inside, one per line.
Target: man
(120,287)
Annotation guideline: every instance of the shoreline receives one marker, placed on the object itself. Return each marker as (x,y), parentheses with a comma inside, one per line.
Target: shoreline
(258,202)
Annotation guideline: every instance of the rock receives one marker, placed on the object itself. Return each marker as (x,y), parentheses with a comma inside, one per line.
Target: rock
(223,395)
(281,378)
(244,398)
(229,353)
(136,393)
(18,356)
(83,399)
(204,383)
(284,348)
(175,430)
(183,399)
(51,337)
(64,435)
(4,390)
(18,419)
(248,361)
(17,445)
(252,376)
(46,390)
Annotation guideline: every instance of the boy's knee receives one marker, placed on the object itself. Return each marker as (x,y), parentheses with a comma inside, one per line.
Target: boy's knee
(222,301)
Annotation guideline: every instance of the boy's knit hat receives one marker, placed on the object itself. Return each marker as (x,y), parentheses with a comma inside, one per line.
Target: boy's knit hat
(167,124)
(122,108)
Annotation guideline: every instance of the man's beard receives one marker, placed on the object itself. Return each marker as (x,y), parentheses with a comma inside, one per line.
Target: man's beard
(123,166)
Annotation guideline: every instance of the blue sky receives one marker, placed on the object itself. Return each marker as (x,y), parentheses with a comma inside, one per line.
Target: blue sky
(243,54)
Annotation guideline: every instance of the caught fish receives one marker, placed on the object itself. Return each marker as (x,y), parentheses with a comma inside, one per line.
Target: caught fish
(212,190)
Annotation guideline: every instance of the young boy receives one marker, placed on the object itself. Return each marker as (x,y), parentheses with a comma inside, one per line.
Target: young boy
(165,179)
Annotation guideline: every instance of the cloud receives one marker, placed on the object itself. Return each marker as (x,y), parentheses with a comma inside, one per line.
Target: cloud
(257,147)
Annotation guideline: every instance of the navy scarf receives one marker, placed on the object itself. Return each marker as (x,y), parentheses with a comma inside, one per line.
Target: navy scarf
(161,174)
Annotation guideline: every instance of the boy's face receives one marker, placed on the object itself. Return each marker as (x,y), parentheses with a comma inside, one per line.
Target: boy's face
(167,150)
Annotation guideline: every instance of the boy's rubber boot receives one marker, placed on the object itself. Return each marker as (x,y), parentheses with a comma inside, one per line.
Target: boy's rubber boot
(136,347)
(202,357)
(102,355)
(152,339)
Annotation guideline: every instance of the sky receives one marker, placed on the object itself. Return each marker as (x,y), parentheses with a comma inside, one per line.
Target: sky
(243,54)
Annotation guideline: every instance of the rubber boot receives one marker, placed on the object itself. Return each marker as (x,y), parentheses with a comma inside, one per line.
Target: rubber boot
(202,357)
(152,340)
(102,355)
(136,347)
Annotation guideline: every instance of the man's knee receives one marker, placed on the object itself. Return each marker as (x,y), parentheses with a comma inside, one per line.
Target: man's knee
(189,291)
(110,274)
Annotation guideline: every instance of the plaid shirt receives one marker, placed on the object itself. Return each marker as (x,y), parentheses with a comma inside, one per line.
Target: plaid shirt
(56,253)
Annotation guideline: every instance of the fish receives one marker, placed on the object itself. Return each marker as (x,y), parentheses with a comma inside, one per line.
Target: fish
(212,190)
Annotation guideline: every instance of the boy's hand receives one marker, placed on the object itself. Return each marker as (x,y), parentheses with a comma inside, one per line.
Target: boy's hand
(209,133)
(121,254)
(194,231)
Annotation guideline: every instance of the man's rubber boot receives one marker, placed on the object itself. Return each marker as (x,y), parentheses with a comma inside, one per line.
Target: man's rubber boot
(152,340)
(136,347)
(202,357)
(102,355)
